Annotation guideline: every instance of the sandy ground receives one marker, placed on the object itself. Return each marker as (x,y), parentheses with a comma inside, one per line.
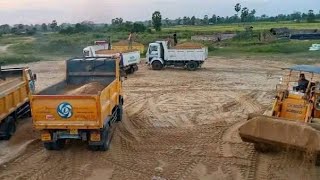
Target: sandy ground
(178,125)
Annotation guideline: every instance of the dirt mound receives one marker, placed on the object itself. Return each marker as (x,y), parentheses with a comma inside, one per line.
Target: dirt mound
(126,43)
(108,52)
(281,132)
(130,50)
(114,52)
(189,45)
(90,88)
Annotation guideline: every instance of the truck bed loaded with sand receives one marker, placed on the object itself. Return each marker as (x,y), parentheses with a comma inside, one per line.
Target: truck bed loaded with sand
(16,84)
(129,59)
(83,106)
(189,55)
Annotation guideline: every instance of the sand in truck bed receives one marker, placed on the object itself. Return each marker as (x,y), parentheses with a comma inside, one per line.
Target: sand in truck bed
(9,83)
(87,89)
(189,45)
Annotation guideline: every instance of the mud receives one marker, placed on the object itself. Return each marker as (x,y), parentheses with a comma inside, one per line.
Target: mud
(177,125)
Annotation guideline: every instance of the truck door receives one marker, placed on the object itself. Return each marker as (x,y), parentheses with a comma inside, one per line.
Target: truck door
(154,51)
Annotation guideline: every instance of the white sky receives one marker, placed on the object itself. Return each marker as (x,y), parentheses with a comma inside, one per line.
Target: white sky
(102,11)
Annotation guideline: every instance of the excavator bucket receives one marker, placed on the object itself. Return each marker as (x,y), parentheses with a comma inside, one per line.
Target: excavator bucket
(280,133)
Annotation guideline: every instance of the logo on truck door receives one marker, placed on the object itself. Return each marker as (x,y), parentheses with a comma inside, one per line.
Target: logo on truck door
(65,110)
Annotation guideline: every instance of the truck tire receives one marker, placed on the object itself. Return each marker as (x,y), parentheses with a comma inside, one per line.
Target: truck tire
(192,65)
(107,138)
(136,67)
(119,113)
(157,65)
(56,145)
(9,128)
(317,161)
(131,70)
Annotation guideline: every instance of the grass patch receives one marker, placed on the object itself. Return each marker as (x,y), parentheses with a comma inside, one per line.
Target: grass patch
(18,59)
(240,27)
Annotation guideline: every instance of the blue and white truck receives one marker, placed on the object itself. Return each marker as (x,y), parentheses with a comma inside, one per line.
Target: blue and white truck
(129,59)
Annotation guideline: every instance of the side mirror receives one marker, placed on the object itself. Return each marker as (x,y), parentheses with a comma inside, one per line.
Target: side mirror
(34,77)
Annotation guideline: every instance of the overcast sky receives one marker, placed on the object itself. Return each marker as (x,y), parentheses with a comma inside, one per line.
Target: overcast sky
(102,11)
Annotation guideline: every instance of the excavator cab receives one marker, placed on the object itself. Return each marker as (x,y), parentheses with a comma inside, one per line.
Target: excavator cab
(294,121)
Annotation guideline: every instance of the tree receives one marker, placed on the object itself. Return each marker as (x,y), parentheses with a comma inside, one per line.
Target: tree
(156,20)
(4,29)
(296,16)
(206,20)
(44,27)
(20,27)
(237,8)
(167,21)
(138,27)
(311,17)
(213,19)
(179,20)
(193,20)
(252,15)
(186,20)
(54,25)
(117,21)
(244,14)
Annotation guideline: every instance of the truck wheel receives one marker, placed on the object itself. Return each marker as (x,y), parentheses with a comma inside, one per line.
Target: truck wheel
(136,67)
(157,65)
(119,113)
(131,70)
(107,137)
(192,65)
(9,128)
(317,163)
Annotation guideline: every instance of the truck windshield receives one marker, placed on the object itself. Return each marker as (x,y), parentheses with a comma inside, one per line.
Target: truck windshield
(153,50)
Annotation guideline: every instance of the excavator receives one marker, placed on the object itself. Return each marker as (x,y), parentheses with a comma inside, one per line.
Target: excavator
(294,121)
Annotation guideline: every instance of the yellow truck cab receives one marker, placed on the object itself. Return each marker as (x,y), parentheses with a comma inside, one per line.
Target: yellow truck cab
(88,117)
(16,85)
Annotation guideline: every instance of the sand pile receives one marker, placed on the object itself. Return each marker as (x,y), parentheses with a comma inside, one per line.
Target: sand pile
(87,89)
(189,45)
(114,52)
(285,133)
(108,52)
(129,50)
(126,43)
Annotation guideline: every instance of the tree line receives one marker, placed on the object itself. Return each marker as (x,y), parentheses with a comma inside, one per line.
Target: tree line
(242,15)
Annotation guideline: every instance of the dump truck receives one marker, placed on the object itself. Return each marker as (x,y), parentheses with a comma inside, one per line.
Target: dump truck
(294,121)
(160,55)
(129,59)
(84,106)
(16,85)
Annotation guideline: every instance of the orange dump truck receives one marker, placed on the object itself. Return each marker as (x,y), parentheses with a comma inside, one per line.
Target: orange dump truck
(84,106)
(16,85)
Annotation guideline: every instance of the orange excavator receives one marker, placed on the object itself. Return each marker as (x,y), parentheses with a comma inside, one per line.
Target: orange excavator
(294,121)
